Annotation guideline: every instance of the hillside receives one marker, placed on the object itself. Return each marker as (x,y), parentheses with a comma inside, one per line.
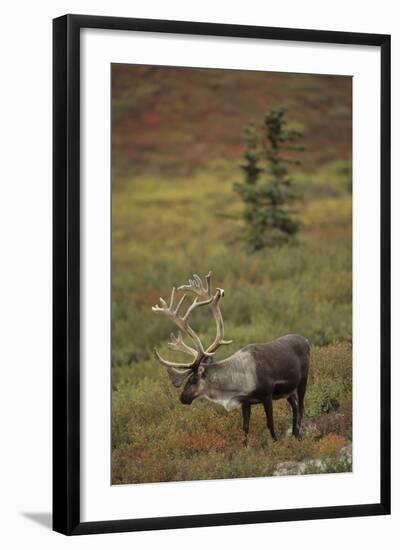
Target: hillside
(179,120)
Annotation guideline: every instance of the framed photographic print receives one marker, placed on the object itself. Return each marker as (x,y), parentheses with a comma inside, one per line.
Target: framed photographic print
(221,274)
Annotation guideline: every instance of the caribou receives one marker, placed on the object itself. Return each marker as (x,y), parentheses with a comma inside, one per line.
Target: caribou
(255,374)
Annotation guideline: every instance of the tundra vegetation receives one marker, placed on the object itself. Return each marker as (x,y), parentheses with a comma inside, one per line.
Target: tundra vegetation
(177,147)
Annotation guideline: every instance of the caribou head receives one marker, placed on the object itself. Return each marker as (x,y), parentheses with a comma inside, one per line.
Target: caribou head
(194,371)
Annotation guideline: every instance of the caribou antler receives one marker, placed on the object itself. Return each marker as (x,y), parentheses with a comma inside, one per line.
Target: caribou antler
(178,344)
(205,291)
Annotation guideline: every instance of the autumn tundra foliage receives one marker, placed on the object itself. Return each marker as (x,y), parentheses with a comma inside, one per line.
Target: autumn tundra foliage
(177,147)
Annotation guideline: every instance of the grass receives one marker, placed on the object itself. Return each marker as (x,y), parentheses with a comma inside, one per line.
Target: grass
(169,223)
(155,438)
(305,289)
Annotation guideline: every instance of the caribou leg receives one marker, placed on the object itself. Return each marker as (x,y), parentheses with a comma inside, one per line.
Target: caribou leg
(295,409)
(301,390)
(246,411)
(270,416)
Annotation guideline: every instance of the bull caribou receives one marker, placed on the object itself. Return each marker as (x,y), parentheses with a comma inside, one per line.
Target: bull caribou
(257,373)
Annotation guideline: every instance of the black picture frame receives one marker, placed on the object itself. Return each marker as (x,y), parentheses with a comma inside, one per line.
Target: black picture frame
(66,273)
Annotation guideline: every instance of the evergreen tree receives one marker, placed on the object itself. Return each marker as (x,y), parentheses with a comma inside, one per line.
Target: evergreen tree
(267,187)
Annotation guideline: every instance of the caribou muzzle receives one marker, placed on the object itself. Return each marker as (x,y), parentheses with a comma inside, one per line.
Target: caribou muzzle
(186,399)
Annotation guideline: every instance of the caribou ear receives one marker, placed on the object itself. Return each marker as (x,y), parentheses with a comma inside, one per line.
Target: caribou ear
(176,376)
(201,370)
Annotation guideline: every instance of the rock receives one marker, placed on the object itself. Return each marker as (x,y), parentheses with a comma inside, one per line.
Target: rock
(308,465)
(289,467)
(346,452)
